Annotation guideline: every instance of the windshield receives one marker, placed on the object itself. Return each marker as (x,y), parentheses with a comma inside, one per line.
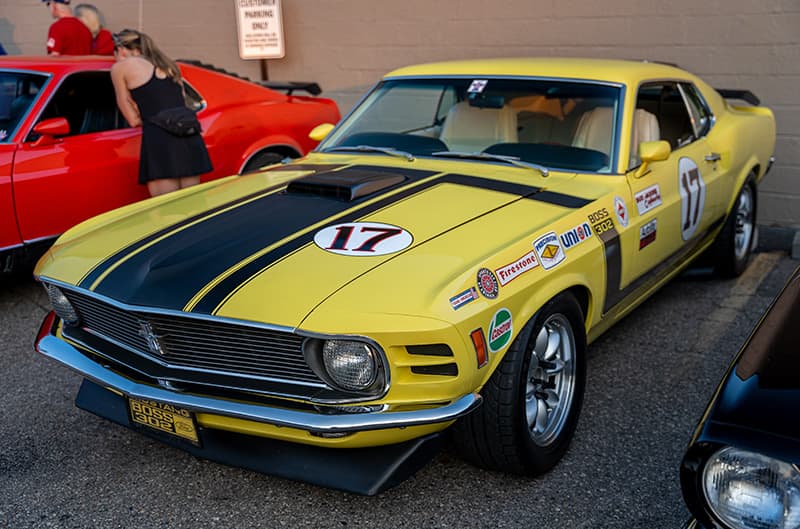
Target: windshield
(17,93)
(557,124)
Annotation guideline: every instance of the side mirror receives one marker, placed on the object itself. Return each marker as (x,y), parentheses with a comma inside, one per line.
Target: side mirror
(319,132)
(652,151)
(49,128)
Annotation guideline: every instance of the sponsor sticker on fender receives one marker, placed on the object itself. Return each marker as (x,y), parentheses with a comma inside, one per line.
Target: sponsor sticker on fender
(501,329)
(621,211)
(487,283)
(363,238)
(647,233)
(576,235)
(459,300)
(647,199)
(511,271)
(601,222)
(549,250)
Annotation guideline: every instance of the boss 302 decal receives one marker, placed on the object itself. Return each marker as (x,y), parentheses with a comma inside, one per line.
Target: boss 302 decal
(693,196)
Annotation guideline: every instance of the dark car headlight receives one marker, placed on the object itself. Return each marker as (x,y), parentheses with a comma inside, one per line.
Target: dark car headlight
(747,490)
(61,305)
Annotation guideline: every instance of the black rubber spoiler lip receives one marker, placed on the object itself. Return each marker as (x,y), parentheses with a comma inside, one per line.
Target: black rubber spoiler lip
(744,95)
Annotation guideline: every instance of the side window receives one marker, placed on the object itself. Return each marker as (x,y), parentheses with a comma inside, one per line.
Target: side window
(665,101)
(18,90)
(88,103)
(698,110)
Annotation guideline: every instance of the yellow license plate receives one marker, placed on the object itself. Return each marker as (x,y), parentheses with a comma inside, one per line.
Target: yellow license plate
(164,418)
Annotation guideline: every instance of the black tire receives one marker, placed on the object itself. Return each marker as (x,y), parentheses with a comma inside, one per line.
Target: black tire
(498,435)
(734,244)
(260,160)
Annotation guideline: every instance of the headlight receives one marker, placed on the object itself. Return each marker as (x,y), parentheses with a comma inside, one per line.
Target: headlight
(61,304)
(351,365)
(747,490)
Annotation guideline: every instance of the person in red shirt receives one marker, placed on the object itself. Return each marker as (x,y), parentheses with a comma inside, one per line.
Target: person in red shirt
(103,42)
(67,35)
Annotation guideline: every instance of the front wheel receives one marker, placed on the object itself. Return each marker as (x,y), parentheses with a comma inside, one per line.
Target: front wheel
(533,399)
(735,242)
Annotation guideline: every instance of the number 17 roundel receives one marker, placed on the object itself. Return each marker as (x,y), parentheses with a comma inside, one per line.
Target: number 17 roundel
(363,238)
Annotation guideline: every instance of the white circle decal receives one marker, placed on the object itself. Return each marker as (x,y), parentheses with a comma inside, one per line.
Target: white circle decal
(693,196)
(621,210)
(363,238)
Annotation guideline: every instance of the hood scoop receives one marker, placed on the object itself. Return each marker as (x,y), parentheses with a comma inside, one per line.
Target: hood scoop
(346,185)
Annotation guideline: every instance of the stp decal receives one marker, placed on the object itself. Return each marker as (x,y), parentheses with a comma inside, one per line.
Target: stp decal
(487,283)
(693,196)
(647,233)
(459,300)
(549,250)
(511,271)
(363,238)
(576,235)
(501,329)
(621,211)
(647,199)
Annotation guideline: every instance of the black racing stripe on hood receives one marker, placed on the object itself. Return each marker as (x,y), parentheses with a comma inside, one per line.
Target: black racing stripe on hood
(214,297)
(88,280)
(168,274)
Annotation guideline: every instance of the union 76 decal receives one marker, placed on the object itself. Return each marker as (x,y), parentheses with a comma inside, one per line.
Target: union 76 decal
(693,196)
(363,238)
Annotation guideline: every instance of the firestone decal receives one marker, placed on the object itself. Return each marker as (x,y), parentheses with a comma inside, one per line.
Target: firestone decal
(576,235)
(647,233)
(648,199)
(501,329)
(549,250)
(693,196)
(363,238)
(487,283)
(459,300)
(511,271)
(621,211)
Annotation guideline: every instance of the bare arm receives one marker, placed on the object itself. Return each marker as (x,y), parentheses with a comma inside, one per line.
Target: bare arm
(124,99)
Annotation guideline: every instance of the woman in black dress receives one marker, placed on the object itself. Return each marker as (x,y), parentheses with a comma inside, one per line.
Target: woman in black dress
(147,82)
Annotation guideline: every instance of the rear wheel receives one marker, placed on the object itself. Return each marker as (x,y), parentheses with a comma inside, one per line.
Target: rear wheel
(533,399)
(735,242)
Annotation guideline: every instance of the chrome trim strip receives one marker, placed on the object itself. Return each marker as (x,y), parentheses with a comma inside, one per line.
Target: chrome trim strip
(64,353)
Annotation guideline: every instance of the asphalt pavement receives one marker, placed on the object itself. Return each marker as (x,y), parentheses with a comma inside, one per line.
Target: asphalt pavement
(649,379)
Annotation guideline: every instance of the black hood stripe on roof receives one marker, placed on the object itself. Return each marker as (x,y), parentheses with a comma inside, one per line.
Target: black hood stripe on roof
(215,297)
(170,273)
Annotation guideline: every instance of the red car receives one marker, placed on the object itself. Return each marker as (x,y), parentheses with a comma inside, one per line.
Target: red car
(67,154)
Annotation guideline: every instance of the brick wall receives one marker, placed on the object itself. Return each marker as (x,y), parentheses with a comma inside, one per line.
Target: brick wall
(346,45)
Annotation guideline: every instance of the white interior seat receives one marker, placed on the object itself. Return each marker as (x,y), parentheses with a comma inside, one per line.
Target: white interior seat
(595,129)
(645,128)
(472,129)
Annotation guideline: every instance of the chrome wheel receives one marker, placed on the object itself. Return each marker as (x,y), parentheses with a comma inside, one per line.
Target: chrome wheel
(743,237)
(550,385)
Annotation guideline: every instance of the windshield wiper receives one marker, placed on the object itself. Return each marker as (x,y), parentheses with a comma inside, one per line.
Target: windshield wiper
(369,148)
(513,160)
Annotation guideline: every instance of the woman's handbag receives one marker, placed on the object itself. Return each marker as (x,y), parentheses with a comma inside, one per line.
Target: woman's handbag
(180,121)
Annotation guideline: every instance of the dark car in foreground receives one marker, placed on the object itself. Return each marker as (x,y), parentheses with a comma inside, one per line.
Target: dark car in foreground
(741,469)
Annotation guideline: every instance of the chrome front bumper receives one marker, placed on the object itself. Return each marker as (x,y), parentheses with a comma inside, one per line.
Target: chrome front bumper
(61,351)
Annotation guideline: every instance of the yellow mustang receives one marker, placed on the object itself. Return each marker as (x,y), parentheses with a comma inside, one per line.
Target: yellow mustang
(443,258)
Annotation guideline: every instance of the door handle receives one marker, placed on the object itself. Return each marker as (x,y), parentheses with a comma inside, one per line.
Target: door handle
(713,157)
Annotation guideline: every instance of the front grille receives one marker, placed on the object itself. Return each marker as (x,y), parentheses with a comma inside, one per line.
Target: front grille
(196,344)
